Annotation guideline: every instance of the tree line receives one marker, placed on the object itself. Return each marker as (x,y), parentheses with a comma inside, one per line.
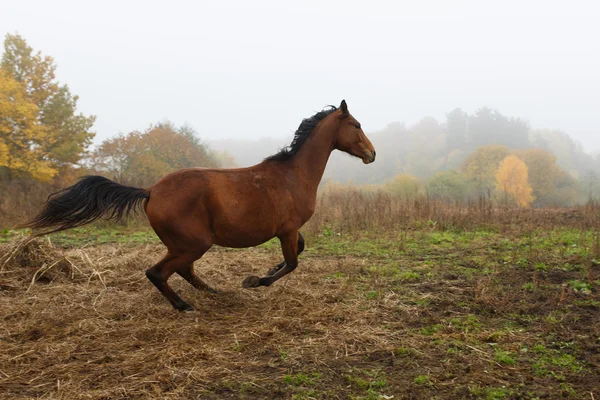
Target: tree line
(45,142)
(43,138)
(527,177)
(458,159)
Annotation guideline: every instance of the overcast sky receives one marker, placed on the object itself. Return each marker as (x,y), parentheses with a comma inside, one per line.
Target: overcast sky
(256,68)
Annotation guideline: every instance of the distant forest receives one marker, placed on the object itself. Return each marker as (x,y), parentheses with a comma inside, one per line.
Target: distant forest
(435,152)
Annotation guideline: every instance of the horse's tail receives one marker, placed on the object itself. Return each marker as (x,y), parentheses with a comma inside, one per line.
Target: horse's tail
(92,197)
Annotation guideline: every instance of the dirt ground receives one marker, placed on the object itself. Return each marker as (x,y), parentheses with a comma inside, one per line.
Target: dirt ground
(484,317)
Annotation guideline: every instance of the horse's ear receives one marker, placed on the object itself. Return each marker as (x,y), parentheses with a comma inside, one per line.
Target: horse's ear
(344,109)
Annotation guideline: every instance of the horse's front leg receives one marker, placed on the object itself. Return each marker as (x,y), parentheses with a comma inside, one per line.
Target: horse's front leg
(289,246)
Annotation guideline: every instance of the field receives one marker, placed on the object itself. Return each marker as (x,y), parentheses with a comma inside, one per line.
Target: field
(495,310)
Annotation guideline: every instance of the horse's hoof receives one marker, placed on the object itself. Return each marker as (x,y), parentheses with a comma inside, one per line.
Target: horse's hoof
(251,281)
(186,308)
(212,291)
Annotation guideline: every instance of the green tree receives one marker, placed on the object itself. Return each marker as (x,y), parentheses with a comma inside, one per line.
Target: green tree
(449,186)
(567,193)
(455,159)
(405,186)
(68,133)
(591,185)
(480,166)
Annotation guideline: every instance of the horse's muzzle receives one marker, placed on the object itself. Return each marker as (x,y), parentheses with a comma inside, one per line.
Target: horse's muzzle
(369,157)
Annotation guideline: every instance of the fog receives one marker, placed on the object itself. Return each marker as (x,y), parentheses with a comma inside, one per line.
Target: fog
(236,69)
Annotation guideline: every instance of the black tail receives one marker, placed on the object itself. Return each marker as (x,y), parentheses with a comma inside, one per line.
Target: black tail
(91,198)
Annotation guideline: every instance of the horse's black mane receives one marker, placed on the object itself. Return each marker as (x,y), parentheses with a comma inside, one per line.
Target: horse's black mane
(306,127)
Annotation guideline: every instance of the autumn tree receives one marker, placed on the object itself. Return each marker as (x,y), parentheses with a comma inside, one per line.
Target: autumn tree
(141,158)
(511,179)
(67,133)
(22,137)
(570,154)
(480,166)
(543,172)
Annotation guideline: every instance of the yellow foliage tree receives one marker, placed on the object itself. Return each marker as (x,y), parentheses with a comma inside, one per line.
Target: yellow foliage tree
(543,173)
(21,135)
(511,179)
(66,133)
(480,166)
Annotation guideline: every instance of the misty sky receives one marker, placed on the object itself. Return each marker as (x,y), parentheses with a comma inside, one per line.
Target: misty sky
(256,68)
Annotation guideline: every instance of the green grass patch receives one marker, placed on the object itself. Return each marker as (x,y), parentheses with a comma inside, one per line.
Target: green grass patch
(367,380)
(408,276)
(302,379)
(580,286)
(430,330)
(504,357)
(422,380)
(490,393)
(554,362)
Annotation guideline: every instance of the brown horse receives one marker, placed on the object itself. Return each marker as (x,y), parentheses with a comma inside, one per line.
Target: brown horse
(192,209)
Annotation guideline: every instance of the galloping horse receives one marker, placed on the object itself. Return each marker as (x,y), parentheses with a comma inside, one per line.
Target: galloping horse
(192,209)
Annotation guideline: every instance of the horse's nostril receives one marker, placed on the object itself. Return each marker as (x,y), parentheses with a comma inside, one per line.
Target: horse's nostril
(374,153)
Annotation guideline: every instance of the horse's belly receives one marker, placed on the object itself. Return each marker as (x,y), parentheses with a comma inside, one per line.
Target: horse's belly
(242,235)
(247,218)
(231,239)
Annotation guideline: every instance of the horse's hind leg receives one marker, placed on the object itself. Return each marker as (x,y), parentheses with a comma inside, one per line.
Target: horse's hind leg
(276,268)
(189,275)
(160,273)
(289,246)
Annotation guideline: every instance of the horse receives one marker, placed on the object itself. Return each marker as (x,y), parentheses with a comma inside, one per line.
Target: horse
(195,208)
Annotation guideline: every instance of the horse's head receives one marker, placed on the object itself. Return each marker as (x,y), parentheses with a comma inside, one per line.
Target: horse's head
(351,138)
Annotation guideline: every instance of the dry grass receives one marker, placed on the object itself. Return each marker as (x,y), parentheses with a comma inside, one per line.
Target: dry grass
(91,326)
(349,209)
(20,200)
(85,323)
(469,301)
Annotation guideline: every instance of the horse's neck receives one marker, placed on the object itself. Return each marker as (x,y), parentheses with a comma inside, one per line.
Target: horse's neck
(311,159)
